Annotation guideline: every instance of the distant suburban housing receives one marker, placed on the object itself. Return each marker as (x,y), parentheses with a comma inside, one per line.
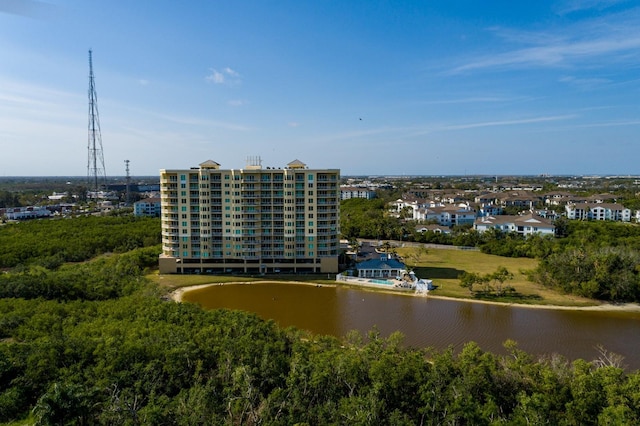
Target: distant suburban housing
(598,211)
(21,213)
(348,192)
(446,215)
(524,225)
(148,207)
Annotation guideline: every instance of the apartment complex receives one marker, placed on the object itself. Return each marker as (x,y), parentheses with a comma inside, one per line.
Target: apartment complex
(149,207)
(250,220)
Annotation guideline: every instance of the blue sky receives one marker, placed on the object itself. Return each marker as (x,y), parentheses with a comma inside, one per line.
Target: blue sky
(370,87)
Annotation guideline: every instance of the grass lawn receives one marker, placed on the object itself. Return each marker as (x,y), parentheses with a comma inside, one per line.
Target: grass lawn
(444,267)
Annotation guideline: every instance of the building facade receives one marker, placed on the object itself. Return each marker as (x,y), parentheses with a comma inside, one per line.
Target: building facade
(348,192)
(598,211)
(22,213)
(150,207)
(251,220)
(524,225)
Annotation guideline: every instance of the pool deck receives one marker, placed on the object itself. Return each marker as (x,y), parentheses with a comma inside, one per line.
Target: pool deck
(371,282)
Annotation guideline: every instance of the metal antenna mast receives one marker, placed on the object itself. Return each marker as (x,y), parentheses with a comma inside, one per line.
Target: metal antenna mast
(127,199)
(96,173)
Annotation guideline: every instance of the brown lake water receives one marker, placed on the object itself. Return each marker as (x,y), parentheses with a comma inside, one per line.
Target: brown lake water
(430,322)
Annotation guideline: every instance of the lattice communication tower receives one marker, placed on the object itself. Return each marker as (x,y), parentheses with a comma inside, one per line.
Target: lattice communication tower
(127,193)
(96,173)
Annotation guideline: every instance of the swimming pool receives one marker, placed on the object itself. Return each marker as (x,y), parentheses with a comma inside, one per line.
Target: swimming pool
(384,282)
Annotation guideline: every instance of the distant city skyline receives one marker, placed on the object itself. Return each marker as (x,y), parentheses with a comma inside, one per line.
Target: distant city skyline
(372,88)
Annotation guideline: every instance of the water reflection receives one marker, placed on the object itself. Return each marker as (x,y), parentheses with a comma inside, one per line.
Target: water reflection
(432,322)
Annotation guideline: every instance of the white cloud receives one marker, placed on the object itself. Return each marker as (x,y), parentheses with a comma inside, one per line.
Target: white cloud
(231,72)
(227,76)
(215,77)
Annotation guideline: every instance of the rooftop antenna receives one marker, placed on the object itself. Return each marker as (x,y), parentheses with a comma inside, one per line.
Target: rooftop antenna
(96,173)
(254,162)
(127,198)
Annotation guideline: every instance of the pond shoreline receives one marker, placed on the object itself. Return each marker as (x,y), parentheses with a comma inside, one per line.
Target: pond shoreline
(178,294)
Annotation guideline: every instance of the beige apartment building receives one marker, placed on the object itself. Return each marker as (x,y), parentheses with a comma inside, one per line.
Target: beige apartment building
(251,220)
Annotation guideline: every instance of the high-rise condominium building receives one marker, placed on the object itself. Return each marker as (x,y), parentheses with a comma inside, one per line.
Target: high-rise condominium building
(250,220)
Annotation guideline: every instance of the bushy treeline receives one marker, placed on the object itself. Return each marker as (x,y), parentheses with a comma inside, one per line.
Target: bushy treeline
(605,273)
(50,243)
(138,360)
(106,277)
(600,260)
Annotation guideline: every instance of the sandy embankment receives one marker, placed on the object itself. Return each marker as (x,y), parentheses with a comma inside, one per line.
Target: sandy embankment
(178,293)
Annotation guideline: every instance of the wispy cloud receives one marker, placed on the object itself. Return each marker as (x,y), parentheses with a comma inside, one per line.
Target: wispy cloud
(28,8)
(469,100)
(584,83)
(509,122)
(561,54)
(615,38)
(571,6)
(226,76)
(237,102)
(198,121)
(611,124)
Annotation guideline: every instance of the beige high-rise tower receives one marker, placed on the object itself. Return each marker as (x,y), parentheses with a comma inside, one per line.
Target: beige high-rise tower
(251,220)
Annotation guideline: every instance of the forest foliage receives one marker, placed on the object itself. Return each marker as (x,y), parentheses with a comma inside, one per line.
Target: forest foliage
(50,243)
(128,355)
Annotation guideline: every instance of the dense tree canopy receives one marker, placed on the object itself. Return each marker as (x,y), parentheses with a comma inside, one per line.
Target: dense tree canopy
(52,242)
(95,343)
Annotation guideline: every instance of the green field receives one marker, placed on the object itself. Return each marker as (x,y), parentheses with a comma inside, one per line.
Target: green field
(445,266)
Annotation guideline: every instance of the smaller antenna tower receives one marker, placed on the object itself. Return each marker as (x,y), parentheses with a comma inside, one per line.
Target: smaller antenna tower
(254,162)
(127,197)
